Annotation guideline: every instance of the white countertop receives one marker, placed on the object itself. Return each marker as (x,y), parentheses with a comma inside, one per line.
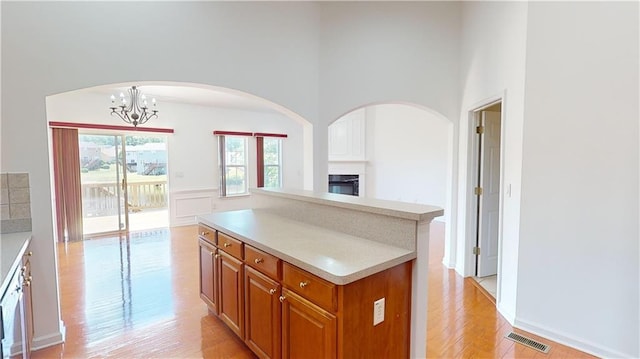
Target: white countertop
(337,257)
(12,247)
(412,211)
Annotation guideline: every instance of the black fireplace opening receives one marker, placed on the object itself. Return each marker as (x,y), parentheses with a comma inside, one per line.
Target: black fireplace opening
(344,184)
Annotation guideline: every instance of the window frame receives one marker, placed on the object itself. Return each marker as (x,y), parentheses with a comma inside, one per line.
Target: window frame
(261,166)
(222,161)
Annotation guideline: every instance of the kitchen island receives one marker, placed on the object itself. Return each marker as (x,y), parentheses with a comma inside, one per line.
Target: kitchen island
(329,275)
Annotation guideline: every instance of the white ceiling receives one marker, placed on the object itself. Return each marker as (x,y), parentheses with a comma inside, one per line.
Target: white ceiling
(194,96)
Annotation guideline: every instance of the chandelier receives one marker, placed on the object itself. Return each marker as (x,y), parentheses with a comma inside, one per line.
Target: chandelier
(135,110)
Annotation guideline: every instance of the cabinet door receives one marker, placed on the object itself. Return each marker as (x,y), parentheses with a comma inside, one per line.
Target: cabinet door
(231,304)
(262,313)
(208,270)
(308,331)
(11,305)
(27,308)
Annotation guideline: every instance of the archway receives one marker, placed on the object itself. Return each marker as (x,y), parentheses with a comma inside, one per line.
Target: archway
(194,111)
(401,151)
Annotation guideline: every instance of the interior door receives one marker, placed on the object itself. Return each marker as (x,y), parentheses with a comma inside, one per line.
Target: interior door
(489,200)
(103,181)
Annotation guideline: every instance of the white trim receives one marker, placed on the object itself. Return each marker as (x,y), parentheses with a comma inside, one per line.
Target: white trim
(49,340)
(509,316)
(569,340)
(191,191)
(419,292)
(472,168)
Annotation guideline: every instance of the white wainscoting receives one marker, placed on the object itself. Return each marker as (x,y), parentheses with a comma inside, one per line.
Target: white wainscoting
(186,205)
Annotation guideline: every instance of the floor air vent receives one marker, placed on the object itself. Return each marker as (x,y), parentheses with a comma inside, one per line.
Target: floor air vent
(528,342)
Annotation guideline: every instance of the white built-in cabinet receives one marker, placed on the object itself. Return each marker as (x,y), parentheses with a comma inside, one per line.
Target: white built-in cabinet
(347,137)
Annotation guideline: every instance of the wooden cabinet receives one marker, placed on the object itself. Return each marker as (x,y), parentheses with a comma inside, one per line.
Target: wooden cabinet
(308,331)
(231,304)
(316,290)
(208,274)
(262,313)
(282,311)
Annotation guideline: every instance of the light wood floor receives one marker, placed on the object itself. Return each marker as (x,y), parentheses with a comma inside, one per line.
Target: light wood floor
(137,296)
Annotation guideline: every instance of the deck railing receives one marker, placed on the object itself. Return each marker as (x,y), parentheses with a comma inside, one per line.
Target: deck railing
(101,199)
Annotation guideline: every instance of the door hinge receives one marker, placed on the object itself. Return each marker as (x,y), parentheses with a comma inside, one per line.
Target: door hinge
(477,191)
(480,129)
(476,251)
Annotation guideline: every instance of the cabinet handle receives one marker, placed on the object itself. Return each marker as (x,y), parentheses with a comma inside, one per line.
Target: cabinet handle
(272,291)
(204,233)
(29,254)
(282,298)
(216,256)
(304,284)
(211,253)
(227,245)
(259,260)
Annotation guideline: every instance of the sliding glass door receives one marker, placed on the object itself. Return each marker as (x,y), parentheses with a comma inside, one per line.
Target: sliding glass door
(124,182)
(103,180)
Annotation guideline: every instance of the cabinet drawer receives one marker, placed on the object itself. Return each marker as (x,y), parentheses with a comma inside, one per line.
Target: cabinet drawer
(207,233)
(313,288)
(263,262)
(230,245)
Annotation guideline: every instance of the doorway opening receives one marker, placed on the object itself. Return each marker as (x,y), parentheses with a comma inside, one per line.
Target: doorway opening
(123,182)
(486,189)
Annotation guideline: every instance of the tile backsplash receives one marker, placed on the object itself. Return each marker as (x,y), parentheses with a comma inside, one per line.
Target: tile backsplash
(15,202)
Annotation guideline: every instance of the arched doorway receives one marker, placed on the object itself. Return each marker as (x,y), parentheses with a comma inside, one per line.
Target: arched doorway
(192,112)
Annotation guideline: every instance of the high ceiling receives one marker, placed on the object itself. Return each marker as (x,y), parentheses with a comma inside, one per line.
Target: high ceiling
(194,96)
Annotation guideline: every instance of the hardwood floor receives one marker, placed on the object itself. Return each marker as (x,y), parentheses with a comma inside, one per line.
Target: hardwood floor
(462,321)
(137,296)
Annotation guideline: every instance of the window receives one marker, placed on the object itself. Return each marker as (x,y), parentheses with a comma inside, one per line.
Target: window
(233,165)
(271,161)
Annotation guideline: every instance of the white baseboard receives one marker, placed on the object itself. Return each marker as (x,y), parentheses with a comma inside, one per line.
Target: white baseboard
(447,264)
(569,340)
(508,315)
(45,341)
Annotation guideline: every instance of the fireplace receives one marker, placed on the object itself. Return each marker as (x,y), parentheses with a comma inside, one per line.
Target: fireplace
(344,184)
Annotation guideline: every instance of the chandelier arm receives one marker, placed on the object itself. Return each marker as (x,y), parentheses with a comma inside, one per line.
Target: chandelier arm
(147,117)
(124,117)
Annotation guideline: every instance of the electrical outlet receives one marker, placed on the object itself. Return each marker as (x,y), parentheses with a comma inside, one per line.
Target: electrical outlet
(378,311)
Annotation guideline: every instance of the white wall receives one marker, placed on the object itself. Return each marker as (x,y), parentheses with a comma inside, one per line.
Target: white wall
(364,53)
(493,66)
(266,49)
(322,60)
(578,274)
(193,152)
(383,52)
(407,154)
(390,52)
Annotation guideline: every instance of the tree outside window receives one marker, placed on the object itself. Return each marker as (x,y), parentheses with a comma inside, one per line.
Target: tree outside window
(272,162)
(233,165)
